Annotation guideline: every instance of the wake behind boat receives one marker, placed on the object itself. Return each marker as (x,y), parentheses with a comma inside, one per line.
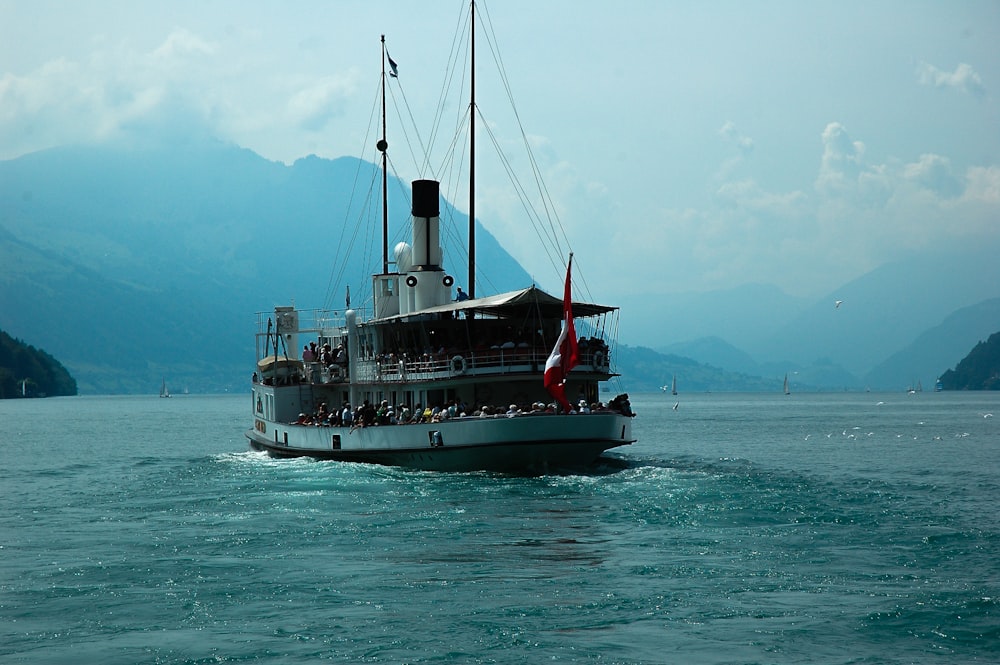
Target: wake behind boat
(431,379)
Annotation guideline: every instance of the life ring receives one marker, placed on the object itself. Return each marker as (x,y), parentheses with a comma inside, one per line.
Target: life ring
(448,280)
(411,281)
(458,365)
(598,359)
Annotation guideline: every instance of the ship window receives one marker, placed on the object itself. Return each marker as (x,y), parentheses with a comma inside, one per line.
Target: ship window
(335,443)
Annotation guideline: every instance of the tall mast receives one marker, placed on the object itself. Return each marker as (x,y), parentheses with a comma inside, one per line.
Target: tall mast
(382,146)
(472,151)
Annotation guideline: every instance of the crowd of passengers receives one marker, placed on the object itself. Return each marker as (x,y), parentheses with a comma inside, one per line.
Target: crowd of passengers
(326,354)
(368,414)
(428,360)
(416,360)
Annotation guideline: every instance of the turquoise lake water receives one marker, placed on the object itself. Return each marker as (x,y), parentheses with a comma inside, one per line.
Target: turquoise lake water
(845,528)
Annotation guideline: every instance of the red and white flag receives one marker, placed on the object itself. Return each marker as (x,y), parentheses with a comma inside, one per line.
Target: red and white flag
(564,355)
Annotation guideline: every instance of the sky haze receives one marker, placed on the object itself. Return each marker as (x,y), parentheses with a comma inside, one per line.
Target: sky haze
(688,146)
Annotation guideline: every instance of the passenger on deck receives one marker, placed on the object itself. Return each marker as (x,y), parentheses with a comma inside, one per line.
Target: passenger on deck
(461,296)
(367,415)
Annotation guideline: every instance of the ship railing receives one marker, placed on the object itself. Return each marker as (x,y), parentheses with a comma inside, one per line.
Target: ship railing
(319,321)
(487,363)
(319,373)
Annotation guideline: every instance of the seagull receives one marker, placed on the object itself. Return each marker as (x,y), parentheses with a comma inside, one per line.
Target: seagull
(837,304)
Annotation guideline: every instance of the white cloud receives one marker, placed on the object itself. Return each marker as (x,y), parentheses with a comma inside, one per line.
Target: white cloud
(748,195)
(858,216)
(113,91)
(842,159)
(983,185)
(964,78)
(729,132)
(182,43)
(315,105)
(51,106)
(933,172)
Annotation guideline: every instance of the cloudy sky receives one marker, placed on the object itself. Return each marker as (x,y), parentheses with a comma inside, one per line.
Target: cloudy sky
(688,146)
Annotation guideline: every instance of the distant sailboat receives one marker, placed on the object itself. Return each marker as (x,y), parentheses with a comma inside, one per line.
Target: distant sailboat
(787,391)
(163,389)
(672,387)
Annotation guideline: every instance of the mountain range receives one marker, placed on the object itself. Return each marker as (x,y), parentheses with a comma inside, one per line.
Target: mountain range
(131,265)
(902,323)
(135,264)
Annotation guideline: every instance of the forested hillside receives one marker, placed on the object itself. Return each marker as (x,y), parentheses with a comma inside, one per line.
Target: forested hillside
(30,372)
(980,370)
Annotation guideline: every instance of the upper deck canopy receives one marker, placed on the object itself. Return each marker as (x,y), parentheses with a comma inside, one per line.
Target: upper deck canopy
(513,304)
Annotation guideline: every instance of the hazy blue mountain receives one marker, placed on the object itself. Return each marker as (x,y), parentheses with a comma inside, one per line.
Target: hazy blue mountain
(938,348)
(885,310)
(132,264)
(644,369)
(882,312)
(744,316)
(821,374)
(714,351)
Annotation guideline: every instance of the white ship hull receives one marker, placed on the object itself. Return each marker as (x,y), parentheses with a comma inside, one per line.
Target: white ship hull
(526,442)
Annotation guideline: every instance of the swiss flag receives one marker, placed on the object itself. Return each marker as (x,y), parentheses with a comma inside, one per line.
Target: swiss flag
(564,355)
